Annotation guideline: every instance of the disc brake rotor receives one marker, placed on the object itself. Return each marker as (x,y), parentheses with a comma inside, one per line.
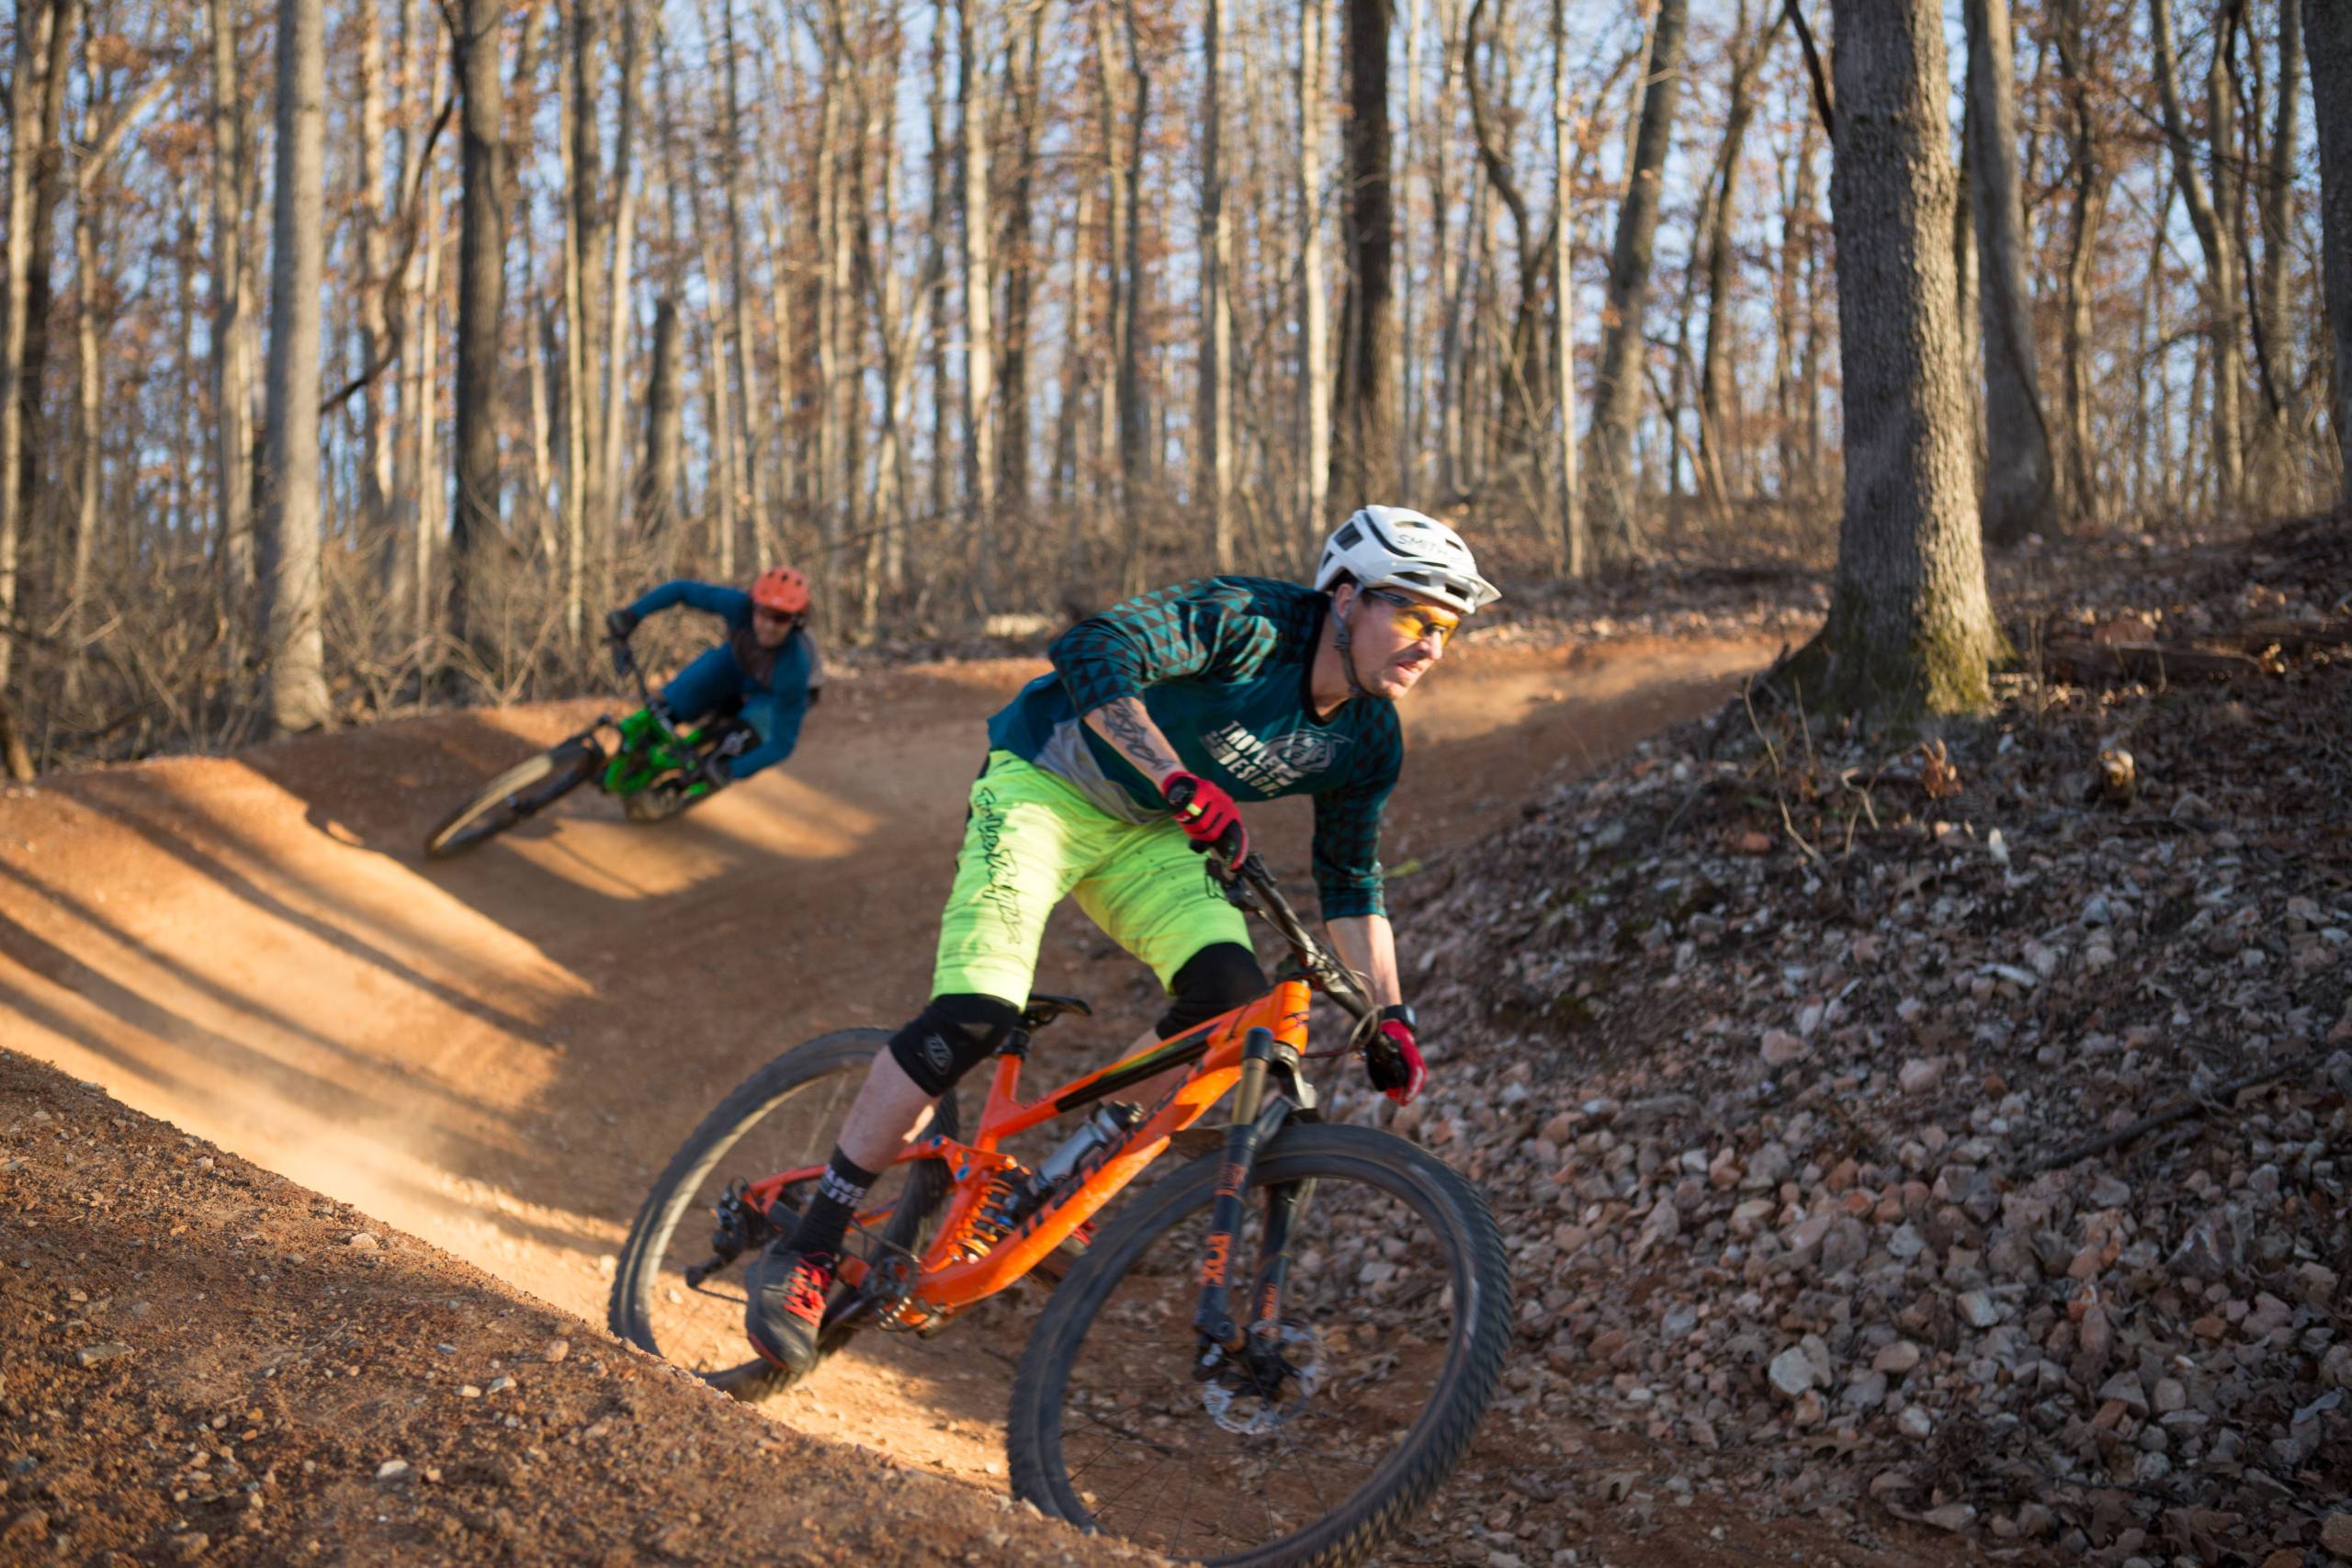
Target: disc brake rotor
(1258,1393)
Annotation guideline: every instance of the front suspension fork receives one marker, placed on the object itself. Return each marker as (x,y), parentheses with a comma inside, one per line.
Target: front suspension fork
(1258,1116)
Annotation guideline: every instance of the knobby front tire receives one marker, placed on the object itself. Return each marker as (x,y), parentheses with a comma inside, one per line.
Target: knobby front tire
(527,787)
(784,1117)
(1109,1431)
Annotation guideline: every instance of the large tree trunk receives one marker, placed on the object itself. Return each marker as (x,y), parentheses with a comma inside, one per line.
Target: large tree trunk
(475,533)
(49,193)
(2018,492)
(298,692)
(2327,27)
(34,21)
(1619,382)
(1364,409)
(1315,343)
(1910,630)
(2209,212)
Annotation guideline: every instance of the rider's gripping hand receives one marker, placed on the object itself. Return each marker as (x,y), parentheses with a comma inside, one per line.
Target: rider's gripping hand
(1208,814)
(619,624)
(1391,1058)
(719,766)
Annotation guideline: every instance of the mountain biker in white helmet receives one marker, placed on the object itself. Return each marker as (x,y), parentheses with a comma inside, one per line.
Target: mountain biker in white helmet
(1161,713)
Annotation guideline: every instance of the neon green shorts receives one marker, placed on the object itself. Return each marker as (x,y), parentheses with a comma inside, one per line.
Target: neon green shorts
(1030,840)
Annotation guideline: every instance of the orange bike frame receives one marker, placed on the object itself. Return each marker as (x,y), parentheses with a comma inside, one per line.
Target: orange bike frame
(956,1271)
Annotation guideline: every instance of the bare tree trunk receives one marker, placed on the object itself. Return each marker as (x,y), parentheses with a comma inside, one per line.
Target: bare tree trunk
(1025,63)
(476,533)
(578,386)
(757,428)
(1717,390)
(831,493)
(298,692)
(428,488)
(616,307)
(1409,363)
(2281,399)
(1315,344)
(973,115)
(2089,181)
(665,425)
(1570,547)
(1619,383)
(31,475)
(1110,109)
(375,333)
(1215,473)
(1138,464)
(2327,25)
(2018,498)
(1910,630)
(1364,411)
(941,164)
(34,21)
(2208,207)
(96,289)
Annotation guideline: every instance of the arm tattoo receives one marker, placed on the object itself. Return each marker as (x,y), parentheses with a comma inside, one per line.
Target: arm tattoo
(1126,725)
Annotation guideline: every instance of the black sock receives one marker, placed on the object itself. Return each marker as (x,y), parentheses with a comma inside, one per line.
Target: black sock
(831,1208)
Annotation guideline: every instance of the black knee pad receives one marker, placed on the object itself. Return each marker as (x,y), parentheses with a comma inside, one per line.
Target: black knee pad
(947,1038)
(1218,978)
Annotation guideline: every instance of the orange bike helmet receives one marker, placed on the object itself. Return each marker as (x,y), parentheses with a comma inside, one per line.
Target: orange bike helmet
(781,589)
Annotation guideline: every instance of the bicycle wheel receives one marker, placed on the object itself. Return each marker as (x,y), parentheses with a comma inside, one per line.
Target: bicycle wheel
(527,787)
(782,1117)
(1394,1320)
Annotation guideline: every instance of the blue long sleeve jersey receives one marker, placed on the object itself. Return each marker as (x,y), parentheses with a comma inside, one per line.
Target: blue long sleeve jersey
(774,687)
(1223,665)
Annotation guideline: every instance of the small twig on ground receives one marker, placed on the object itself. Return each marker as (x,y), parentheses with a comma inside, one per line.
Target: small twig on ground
(2181,1111)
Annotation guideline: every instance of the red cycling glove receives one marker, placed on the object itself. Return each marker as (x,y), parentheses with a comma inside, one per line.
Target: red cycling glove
(1391,1058)
(1208,814)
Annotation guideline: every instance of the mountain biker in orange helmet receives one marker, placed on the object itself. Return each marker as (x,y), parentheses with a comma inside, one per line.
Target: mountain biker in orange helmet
(768,673)
(1161,714)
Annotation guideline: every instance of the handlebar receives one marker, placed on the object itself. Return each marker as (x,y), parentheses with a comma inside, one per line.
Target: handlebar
(625,662)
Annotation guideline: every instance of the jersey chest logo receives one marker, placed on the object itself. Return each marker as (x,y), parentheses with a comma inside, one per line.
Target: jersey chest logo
(1273,765)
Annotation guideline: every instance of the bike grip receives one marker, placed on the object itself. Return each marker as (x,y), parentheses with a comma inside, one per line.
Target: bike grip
(1178,795)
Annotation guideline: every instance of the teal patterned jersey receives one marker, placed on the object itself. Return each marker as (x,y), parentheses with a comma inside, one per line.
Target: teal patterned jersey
(1223,666)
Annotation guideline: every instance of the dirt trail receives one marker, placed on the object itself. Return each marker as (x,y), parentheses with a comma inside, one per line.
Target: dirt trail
(497,1054)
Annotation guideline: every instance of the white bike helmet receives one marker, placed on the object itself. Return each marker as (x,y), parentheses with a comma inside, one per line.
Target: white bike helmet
(1382,546)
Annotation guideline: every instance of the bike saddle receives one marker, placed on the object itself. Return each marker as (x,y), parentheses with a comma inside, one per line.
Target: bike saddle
(1045,1007)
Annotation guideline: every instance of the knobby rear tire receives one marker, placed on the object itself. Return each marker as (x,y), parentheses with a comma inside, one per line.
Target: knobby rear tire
(530,786)
(642,1255)
(1479,1275)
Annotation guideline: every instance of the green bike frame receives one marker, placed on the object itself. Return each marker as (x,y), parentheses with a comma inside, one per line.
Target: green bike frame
(649,750)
